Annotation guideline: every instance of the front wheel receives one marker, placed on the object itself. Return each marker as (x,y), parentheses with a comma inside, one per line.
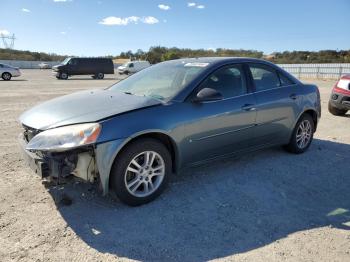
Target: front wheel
(6,76)
(302,135)
(64,76)
(141,172)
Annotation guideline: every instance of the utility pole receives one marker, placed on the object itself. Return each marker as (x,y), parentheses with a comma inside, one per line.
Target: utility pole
(8,40)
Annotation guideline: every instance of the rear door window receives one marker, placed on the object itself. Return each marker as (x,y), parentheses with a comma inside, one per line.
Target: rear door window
(285,81)
(265,77)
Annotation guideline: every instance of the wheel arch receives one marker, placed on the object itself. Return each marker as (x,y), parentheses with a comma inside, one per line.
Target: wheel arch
(6,72)
(160,136)
(313,114)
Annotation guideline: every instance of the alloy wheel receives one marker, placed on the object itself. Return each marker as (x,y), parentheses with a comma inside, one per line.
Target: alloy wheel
(144,174)
(303,134)
(6,76)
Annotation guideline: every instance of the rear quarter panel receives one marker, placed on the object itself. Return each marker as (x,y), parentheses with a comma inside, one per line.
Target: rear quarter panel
(309,99)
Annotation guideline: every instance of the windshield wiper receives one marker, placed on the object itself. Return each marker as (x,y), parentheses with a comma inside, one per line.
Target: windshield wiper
(156,96)
(128,93)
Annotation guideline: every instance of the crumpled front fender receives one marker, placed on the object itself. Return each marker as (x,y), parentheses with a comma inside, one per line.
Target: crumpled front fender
(105,154)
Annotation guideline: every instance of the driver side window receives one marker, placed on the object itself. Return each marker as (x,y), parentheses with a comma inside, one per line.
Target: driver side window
(229,81)
(73,62)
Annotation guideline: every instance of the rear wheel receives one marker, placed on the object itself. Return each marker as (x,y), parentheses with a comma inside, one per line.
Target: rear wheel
(99,76)
(302,135)
(64,76)
(6,76)
(335,111)
(141,172)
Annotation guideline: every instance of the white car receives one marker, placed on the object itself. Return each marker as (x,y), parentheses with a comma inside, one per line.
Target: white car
(44,66)
(7,72)
(133,67)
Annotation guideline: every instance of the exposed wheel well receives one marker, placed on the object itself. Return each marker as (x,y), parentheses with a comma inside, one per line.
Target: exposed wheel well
(313,114)
(164,139)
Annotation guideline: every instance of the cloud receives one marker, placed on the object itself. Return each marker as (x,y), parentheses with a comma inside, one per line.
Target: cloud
(164,7)
(4,32)
(112,20)
(25,10)
(63,33)
(195,5)
(150,20)
(58,1)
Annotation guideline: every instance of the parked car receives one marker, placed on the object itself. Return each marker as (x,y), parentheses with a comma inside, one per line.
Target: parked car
(44,65)
(133,67)
(7,72)
(97,67)
(132,136)
(339,102)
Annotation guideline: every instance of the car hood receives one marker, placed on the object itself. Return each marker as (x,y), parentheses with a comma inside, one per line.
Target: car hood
(83,107)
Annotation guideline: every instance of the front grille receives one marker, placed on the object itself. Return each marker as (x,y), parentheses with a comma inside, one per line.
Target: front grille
(29,132)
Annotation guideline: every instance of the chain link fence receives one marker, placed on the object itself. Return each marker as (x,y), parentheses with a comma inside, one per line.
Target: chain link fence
(27,64)
(333,71)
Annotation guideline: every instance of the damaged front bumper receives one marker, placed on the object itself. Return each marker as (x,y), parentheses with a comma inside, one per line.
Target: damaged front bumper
(78,162)
(90,163)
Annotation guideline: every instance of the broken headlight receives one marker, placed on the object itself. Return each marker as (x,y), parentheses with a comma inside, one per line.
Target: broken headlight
(63,138)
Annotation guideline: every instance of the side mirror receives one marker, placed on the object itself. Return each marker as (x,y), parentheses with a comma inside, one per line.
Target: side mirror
(207,95)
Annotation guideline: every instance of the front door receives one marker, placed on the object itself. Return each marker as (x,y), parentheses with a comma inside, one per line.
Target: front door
(220,127)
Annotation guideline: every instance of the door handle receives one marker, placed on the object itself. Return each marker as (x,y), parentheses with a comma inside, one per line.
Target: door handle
(248,107)
(293,96)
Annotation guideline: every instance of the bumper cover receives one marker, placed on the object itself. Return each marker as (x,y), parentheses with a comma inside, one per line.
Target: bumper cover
(37,164)
(81,164)
(340,100)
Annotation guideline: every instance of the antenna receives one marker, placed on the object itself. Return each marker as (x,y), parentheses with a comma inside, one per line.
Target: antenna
(8,40)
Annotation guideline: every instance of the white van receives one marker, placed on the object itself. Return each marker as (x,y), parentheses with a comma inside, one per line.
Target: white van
(133,67)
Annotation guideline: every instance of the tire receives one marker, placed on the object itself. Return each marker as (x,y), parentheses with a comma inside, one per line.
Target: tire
(6,76)
(64,76)
(127,72)
(130,186)
(99,76)
(295,146)
(336,111)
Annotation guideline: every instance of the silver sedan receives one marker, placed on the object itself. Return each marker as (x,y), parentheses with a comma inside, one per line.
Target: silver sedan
(7,72)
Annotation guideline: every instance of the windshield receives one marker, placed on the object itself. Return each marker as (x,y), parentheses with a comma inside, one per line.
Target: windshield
(160,81)
(65,61)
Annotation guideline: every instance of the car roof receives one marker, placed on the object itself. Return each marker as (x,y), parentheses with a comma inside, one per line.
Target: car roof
(219,60)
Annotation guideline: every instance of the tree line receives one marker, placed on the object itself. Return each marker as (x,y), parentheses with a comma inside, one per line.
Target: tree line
(158,54)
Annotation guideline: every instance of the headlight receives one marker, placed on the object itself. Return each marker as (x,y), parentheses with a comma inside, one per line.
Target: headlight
(63,138)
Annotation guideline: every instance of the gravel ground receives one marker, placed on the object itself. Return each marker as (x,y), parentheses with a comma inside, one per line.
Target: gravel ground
(268,206)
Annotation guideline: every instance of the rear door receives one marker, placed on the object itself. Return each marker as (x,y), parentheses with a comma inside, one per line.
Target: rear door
(220,127)
(276,103)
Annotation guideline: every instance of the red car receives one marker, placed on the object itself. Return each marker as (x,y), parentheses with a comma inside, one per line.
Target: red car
(339,102)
